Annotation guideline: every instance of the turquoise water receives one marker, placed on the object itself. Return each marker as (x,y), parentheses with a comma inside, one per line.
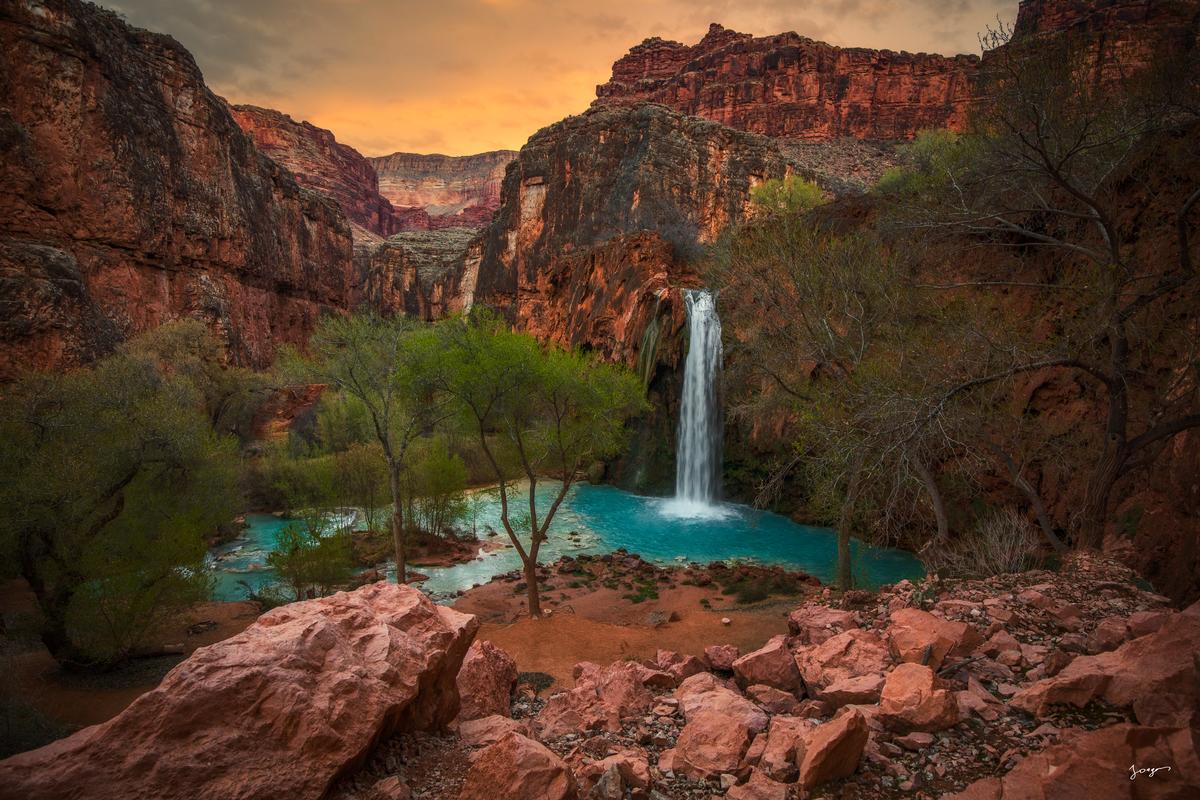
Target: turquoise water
(600,519)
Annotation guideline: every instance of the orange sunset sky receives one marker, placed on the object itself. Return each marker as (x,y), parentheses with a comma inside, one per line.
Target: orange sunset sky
(464,76)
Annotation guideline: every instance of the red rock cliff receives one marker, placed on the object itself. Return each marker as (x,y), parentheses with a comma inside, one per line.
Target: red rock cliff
(321,163)
(129,197)
(789,85)
(792,86)
(436,191)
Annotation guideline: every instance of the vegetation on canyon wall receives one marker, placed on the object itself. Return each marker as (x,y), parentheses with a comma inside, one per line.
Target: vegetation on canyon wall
(898,379)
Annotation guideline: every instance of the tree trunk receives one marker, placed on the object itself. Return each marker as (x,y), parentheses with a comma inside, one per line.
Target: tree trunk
(1094,515)
(935,499)
(1034,498)
(398,524)
(845,577)
(531,588)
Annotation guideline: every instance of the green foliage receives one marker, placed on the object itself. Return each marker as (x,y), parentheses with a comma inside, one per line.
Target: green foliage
(788,196)
(111,478)
(361,481)
(436,485)
(926,163)
(539,412)
(342,421)
(312,562)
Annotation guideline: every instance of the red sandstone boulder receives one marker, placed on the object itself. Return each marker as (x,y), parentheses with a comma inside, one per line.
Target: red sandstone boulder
(860,690)
(1156,674)
(486,681)
(677,665)
(391,788)
(772,700)
(770,665)
(489,730)
(911,701)
(846,655)
(277,711)
(602,697)
(813,623)
(720,726)
(721,656)
(777,756)
(1109,634)
(518,768)
(759,787)
(920,637)
(1096,764)
(833,750)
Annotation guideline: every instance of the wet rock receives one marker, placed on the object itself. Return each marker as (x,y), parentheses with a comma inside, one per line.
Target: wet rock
(911,701)
(486,681)
(518,768)
(278,710)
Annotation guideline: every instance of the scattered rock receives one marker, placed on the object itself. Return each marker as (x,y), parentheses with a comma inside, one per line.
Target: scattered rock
(920,637)
(771,665)
(518,768)
(911,701)
(833,750)
(486,681)
(847,655)
(814,623)
(721,656)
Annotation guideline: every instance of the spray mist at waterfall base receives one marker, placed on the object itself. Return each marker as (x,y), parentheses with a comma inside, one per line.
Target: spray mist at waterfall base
(683,508)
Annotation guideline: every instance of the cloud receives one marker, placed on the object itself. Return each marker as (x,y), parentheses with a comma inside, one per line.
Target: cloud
(471,75)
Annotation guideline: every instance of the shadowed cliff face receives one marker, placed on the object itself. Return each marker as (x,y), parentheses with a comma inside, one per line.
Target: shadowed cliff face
(129,197)
(321,163)
(435,191)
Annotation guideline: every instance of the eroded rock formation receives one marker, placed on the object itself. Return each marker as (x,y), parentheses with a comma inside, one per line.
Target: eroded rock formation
(321,163)
(130,197)
(436,191)
(279,711)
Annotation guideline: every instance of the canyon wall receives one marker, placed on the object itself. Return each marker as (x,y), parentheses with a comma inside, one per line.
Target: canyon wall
(791,86)
(321,163)
(130,197)
(435,191)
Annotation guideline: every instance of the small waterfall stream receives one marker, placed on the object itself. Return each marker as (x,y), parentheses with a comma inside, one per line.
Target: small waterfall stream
(698,449)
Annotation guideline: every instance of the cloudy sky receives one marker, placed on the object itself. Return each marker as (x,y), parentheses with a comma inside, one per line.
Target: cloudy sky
(464,76)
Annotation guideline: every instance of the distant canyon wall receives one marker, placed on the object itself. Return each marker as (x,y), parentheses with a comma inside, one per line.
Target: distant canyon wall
(436,191)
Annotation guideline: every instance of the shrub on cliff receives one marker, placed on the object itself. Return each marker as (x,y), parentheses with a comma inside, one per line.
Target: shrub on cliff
(786,196)
(111,477)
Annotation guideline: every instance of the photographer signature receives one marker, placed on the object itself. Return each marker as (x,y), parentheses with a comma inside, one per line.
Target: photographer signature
(1149,772)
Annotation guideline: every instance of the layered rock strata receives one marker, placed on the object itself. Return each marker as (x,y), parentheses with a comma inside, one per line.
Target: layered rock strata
(130,197)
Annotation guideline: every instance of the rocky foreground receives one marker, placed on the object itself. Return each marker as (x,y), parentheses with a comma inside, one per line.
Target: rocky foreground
(1037,685)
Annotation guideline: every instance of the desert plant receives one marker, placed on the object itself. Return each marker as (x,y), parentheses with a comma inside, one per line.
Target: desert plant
(1001,542)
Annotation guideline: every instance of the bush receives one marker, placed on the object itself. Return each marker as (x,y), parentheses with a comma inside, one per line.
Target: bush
(310,562)
(1002,542)
(785,196)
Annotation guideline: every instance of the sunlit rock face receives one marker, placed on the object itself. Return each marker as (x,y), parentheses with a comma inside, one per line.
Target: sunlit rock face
(130,197)
(418,273)
(791,86)
(321,163)
(580,190)
(435,191)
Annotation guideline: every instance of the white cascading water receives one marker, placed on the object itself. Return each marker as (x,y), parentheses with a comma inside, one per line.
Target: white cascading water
(698,450)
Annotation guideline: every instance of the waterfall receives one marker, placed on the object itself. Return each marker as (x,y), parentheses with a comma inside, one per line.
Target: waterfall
(698,450)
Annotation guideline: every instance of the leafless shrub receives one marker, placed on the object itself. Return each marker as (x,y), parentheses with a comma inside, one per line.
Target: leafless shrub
(1001,542)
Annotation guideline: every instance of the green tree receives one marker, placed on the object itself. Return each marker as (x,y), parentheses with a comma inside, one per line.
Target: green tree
(790,195)
(310,562)
(111,476)
(372,360)
(361,480)
(537,412)
(1047,165)
(437,483)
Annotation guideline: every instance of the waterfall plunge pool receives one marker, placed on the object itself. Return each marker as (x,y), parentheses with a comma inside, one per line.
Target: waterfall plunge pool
(601,519)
